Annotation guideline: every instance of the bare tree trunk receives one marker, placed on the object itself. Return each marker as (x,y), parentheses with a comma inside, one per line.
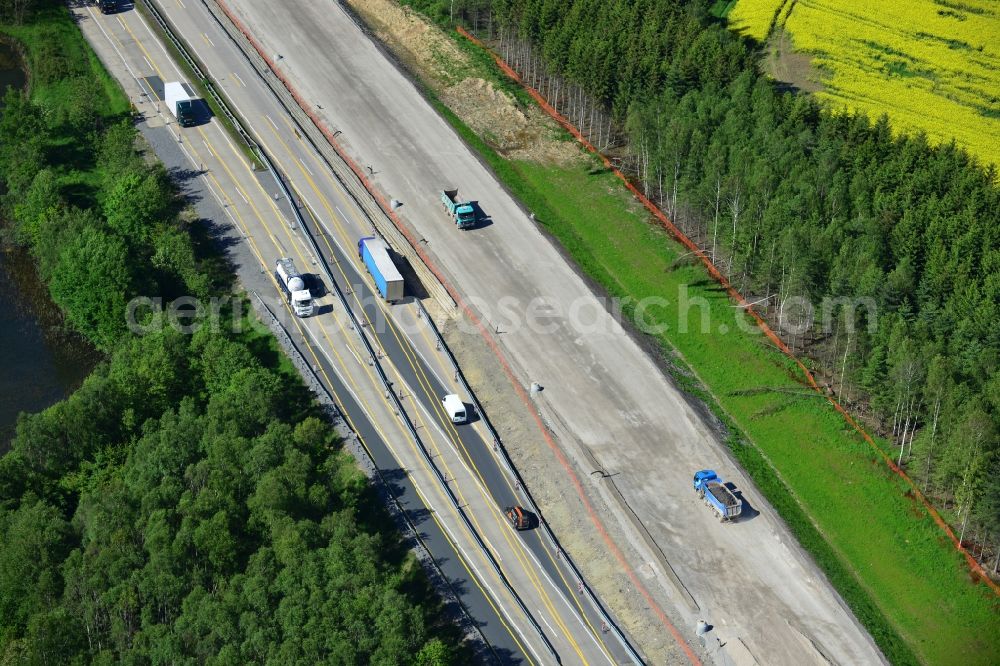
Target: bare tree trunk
(659,182)
(645,166)
(590,125)
(897,416)
(843,364)
(735,209)
(930,447)
(715,226)
(913,430)
(673,196)
(770,269)
(906,427)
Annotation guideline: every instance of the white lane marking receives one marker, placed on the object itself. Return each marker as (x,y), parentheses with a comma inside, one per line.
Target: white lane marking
(558,591)
(288,148)
(454,541)
(542,616)
(232,146)
(427,364)
(424,498)
(151,68)
(208,39)
(112,43)
(163,48)
(239,79)
(182,5)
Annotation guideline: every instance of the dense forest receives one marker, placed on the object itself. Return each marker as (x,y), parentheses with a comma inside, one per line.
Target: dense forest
(895,243)
(189,503)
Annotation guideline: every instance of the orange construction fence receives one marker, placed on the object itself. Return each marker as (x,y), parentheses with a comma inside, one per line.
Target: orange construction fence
(483,330)
(736,296)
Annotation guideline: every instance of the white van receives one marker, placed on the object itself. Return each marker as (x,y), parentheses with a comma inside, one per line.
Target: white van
(455,408)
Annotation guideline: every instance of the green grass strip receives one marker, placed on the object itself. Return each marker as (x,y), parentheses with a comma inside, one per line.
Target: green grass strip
(890,563)
(201,85)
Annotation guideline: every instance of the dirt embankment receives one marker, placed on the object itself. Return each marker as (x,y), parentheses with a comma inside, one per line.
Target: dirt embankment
(515,131)
(524,133)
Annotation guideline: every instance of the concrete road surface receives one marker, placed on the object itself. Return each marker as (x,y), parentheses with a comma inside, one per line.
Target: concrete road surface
(550,612)
(603,395)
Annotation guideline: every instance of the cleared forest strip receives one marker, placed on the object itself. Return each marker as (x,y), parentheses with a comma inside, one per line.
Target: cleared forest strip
(783,445)
(746,306)
(902,567)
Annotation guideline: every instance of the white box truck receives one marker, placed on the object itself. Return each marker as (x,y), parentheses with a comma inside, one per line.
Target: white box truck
(454,407)
(180,102)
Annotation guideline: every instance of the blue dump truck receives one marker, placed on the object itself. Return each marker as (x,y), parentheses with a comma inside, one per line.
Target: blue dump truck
(463,212)
(375,254)
(710,488)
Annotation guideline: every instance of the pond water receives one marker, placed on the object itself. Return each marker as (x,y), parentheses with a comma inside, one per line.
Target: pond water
(40,362)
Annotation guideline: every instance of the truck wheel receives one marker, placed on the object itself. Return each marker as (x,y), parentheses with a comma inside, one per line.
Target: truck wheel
(701,494)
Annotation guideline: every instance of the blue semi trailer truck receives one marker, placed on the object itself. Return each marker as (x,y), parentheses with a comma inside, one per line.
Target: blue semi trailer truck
(710,488)
(375,255)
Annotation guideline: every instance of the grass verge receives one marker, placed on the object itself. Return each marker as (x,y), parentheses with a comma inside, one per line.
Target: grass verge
(203,86)
(890,563)
(53,71)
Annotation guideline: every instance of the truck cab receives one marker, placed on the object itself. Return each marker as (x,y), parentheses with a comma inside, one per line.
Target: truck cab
(519,517)
(180,101)
(703,477)
(185,113)
(465,215)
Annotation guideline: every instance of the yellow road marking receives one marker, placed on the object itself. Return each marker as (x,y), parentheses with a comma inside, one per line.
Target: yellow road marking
(257,252)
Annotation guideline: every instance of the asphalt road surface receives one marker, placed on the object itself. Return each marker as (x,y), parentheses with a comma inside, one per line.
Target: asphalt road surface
(603,395)
(253,206)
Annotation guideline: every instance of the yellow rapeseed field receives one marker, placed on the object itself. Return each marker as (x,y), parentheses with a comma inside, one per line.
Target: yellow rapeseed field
(931,65)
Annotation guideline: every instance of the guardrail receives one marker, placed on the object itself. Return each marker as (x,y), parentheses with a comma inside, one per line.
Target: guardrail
(364,457)
(203,79)
(501,454)
(374,361)
(398,405)
(321,139)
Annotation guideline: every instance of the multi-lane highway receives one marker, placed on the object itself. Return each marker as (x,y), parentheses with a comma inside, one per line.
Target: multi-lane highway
(517,587)
(606,405)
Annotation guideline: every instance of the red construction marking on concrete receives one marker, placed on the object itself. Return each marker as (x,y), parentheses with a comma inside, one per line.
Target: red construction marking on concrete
(735,295)
(408,233)
(411,238)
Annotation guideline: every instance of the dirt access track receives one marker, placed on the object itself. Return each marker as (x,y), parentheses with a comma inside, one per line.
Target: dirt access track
(608,405)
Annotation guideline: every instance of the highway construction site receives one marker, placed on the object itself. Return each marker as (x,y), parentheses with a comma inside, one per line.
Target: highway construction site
(598,435)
